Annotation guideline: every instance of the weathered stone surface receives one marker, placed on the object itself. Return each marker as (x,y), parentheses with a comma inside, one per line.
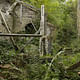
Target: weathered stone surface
(13,20)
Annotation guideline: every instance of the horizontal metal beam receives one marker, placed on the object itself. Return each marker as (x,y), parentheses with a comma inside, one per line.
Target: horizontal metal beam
(20,35)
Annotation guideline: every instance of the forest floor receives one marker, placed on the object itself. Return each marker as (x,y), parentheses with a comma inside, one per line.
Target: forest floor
(30,66)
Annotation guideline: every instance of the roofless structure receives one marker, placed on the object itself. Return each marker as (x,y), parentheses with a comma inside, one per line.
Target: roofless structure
(18,16)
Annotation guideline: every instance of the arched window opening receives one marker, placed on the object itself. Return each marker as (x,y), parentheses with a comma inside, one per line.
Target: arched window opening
(29,29)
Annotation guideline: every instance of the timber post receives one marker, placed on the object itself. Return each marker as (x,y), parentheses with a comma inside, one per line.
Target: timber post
(42,32)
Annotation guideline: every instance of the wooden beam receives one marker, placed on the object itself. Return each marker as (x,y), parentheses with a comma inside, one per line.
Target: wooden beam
(42,28)
(20,35)
(42,32)
(6,25)
(29,41)
(12,7)
(34,26)
(7,29)
(30,7)
(24,4)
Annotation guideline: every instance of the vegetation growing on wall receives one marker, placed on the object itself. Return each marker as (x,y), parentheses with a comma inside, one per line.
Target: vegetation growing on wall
(29,65)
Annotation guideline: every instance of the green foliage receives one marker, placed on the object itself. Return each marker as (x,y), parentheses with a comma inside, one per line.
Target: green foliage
(62,15)
(29,65)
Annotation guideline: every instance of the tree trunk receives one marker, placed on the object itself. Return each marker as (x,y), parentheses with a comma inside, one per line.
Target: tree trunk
(78,17)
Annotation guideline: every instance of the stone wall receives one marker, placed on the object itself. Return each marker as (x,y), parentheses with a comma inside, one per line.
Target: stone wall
(13,20)
(3,6)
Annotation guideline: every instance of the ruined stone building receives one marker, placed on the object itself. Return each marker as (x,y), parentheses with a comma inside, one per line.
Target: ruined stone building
(18,16)
(16,20)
